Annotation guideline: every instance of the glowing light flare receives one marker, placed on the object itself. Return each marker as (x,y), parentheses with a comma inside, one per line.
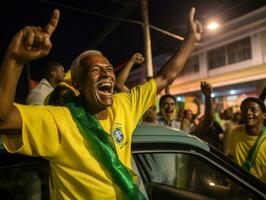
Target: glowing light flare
(213,26)
(232,92)
(211,184)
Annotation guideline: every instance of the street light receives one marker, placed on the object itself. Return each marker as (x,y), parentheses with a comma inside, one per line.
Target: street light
(213,25)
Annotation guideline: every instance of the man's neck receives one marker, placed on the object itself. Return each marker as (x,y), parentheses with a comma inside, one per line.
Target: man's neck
(253,130)
(101,115)
(52,82)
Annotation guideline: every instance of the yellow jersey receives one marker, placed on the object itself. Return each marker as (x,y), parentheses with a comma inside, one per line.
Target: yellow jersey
(51,132)
(241,143)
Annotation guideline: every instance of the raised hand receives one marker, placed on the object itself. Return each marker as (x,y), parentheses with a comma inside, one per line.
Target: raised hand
(194,27)
(206,89)
(138,58)
(33,42)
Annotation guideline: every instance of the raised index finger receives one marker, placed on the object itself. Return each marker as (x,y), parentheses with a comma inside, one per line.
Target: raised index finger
(192,14)
(50,27)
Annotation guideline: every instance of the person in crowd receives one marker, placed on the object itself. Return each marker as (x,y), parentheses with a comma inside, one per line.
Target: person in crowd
(180,113)
(168,111)
(207,119)
(187,122)
(248,144)
(54,74)
(167,173)
(56,97)
(208,129)
(228,127)
(120,85)
(150,115)
(236,118)
(89,145)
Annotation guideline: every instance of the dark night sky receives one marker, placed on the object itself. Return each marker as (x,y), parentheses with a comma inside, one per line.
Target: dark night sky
(79,30)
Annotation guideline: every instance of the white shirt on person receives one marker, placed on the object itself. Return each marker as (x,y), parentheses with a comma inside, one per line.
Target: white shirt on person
(38,94)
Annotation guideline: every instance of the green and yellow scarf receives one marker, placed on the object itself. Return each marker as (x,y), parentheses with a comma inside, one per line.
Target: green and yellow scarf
(102,147)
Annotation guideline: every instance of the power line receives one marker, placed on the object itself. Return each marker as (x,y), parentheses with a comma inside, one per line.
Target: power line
(114,18)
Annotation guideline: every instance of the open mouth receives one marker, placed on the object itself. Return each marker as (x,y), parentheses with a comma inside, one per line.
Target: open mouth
(169,112)
(105,88)
(249,119)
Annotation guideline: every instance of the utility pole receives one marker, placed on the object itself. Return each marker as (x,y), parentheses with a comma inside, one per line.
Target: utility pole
(147,38)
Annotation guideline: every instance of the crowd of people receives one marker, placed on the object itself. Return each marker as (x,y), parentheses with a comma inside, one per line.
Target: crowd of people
(92,108)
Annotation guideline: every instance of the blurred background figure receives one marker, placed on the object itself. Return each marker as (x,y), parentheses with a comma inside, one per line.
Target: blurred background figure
(248,144)
(187,122)
(236,118)
(56,97)
(150,115)
(121,78)
(228,127)
(208,129)
(54,74)
(168,111)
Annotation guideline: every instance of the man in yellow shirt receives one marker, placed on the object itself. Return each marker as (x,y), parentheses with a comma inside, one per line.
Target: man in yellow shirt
(249,136)
(87,142)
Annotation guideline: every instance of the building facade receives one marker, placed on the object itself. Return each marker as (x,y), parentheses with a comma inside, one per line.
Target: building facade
(232,60)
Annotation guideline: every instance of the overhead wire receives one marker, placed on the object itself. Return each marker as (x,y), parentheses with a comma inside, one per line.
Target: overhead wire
(114,18)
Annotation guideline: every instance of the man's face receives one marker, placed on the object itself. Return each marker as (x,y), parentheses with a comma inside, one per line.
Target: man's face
(168,108)
(252,114)
(97,82)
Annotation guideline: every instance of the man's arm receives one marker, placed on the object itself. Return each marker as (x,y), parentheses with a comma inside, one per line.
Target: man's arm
(30,43)
(174,66)
(207,120)
(121,79)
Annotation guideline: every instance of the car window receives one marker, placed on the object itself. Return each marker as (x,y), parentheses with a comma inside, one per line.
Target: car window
(25,181)
(186,176)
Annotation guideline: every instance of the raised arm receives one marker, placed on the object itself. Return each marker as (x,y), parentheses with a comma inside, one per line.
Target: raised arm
(30,43)
(207,120)
(174,66)
(121,79)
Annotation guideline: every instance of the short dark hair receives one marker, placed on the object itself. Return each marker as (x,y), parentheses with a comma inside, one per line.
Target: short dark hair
(49,67)
(162,99)
(253,99)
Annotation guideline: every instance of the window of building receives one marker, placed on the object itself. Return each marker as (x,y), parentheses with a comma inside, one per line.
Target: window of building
(216,58)
(239,51)
(229,54)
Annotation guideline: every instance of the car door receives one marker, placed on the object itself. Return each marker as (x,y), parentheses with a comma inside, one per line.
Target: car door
(23,177)
(185,172)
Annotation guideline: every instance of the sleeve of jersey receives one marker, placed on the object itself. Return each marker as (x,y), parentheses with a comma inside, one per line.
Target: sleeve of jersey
(138,100)
(40,135)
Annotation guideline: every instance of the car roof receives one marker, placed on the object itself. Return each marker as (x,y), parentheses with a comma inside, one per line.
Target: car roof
(154,133)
